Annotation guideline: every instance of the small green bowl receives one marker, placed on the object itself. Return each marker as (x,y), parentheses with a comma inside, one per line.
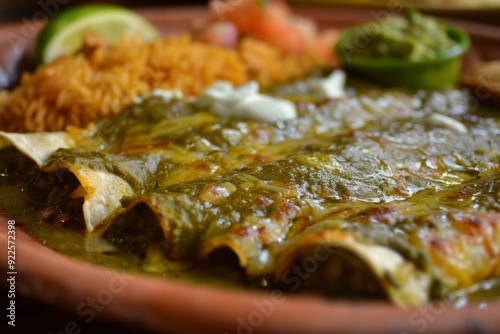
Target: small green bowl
(439,73)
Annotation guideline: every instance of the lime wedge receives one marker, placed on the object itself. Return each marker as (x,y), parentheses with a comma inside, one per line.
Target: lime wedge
(64,34)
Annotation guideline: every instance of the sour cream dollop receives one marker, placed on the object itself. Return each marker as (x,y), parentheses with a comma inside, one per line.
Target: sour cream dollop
(331,87)
(223,99)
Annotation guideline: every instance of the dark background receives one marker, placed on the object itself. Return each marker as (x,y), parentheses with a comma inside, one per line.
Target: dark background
(16,10)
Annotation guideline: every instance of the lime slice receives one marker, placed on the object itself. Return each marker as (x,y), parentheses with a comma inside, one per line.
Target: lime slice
(64,33)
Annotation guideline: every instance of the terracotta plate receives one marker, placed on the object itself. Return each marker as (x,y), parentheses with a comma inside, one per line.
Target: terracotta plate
(166,305)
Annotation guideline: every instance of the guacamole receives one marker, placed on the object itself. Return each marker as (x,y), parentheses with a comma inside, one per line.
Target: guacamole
(415,37)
